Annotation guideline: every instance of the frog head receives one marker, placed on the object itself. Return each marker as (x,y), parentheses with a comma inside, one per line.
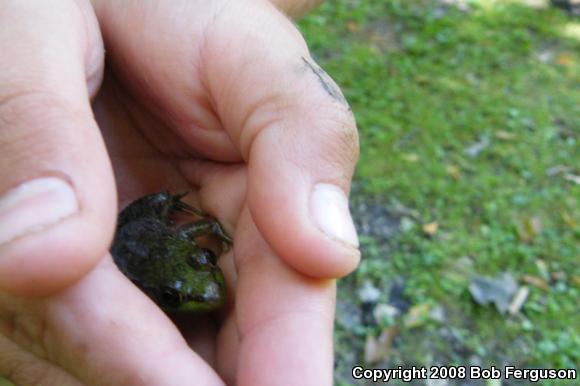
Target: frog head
(158,206)
(198,285)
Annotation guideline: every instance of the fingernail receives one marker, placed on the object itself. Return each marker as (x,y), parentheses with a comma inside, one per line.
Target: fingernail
(329,210)
(34,205)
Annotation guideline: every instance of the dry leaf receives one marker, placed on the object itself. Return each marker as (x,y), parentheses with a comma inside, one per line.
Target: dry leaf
(529,228)
(378,349)
(417,315)
(431,228)
(519,300)
(565,60)
(385,313)
(535,281)
(454,172)
(572,178)
(569,220)
(498,290)
(543,269)
(558,169)
(476,148)
(504,135)
(352,26)
(421,79)
(410,157)
(368,293)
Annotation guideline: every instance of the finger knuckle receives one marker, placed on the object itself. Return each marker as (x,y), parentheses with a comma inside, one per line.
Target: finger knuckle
(31,121)
(28,333)
(342,139)
(33,108)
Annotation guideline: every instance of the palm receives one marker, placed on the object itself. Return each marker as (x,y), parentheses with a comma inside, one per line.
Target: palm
(142,167)
(105,295)
(164,131)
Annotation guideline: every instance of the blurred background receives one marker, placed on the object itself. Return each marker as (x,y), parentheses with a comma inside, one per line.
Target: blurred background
(467,191)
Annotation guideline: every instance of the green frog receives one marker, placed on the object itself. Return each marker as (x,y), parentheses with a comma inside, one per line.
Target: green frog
(164,260)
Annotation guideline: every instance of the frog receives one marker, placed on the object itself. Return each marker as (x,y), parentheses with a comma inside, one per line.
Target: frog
(164,259)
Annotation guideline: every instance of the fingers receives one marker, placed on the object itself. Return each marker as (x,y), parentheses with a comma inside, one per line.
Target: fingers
(280,329)
(228,349)
(25,369)
(221,188)
(293,126)
(155,50)
(108,334)
(57,198)
(235,81)
(284,319)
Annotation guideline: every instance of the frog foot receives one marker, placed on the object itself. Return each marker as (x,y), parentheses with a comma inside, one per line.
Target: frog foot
(179,206)
(207,227)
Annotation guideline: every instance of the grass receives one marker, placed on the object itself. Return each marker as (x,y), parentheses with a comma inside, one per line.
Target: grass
(426,83)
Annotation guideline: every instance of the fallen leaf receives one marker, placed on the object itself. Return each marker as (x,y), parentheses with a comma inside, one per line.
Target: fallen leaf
(535,281)
(421,79)
(431,228)
(504,135)
(498,290)
(569,220)
(385,314)
(410,157)
(476,148)
(558,276)
(545,55)
(543,269)
(368,293)
(519,300)
(565,60)
(378,349)
(454,172)
(352,26)
(417,315)
(529,228)
(558,169)
(572,178)
(437,313)
(407,224)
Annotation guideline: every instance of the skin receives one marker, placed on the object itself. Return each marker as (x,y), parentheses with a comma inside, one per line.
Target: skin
(212,97)
(164,260)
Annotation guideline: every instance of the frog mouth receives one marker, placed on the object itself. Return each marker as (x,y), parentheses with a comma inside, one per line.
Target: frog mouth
(212,299)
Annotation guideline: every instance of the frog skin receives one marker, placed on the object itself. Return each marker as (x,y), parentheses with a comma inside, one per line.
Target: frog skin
(164,260)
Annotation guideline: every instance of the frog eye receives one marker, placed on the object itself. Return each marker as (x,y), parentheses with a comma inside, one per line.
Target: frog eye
(204,259)
(170,297)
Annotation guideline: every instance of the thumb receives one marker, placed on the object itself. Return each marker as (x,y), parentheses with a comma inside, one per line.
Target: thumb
(297,133)
(57,196)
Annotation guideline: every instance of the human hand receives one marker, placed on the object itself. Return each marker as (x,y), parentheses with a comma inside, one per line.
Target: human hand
(194,86)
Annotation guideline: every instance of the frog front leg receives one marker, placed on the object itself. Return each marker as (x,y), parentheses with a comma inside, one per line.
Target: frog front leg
(179,206)
(206,227)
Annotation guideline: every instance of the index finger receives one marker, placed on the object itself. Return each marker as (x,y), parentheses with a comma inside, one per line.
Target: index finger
(235,81)
(284,319)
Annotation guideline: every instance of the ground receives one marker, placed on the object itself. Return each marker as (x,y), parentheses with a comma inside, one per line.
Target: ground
(469,119)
